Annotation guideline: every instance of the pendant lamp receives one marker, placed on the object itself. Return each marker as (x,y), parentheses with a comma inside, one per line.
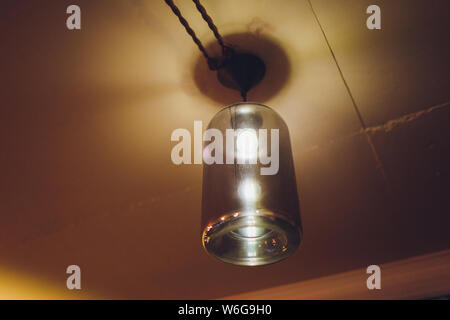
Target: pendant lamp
(250,209)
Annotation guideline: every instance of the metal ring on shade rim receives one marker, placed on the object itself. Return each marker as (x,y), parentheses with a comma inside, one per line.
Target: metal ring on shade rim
(251,238)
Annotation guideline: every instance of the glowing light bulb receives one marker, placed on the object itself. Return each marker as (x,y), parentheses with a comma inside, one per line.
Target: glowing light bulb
(247,145)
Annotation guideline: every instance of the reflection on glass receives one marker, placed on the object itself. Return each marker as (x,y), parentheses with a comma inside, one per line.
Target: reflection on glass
(249,191)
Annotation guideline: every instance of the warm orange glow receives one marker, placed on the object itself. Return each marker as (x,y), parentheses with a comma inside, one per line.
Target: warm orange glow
(16,285)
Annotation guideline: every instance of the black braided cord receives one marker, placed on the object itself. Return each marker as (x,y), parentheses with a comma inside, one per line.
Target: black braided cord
(210,23)
(187,27)
(213,63)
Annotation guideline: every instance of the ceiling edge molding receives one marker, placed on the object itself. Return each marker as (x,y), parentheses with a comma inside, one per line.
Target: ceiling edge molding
(413,278)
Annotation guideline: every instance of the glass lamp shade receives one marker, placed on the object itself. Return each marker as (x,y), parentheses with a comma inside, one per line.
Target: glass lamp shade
(250,207)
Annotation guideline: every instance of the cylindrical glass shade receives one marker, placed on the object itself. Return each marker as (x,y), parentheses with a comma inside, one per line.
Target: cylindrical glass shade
(250,208)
